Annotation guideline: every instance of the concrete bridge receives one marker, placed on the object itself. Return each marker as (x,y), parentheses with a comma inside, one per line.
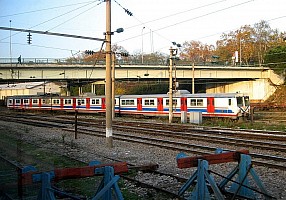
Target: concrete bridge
(258,82)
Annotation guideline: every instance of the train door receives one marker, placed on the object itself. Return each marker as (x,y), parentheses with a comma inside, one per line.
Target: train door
(40,102)
(87,103)
(61,103)
(30,103)
(22,103)
(74,103)
(139,104)
(210,105)
(183,104)
(103,106)
(160,104)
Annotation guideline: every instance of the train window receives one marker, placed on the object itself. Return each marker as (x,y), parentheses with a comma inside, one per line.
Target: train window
(56,101)
(239,101)
(200,102)
(229,102)
(67,101)
(149,102)
(193,102)
(127,102)
(95,101)
(80,101)
(196,102)
(26,100)
(43,101)
(10,101)
(174,102)
(18,101)
(35,100)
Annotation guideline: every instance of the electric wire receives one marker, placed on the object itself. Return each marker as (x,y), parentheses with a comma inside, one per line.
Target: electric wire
(96,59)
(178,13)
(194,18)
(40,10)
(47,47)
(88,3)
(229,30)
(51,19)
(76,16)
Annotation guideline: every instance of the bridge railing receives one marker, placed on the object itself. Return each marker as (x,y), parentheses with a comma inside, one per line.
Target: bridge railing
(129,61)
(38,61)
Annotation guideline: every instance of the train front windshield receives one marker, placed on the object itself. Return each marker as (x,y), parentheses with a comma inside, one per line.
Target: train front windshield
(246,101)
(242,101)
(239,101)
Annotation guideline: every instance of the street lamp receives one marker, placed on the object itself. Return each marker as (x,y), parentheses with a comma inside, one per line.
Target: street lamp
(142,59)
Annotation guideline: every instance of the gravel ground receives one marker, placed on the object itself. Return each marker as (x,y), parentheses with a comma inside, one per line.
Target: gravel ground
(89,148)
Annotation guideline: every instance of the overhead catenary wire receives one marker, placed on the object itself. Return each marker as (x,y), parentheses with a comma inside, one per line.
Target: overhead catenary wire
(40,46)
(75,16)
(187,20)
(44,9)
(68,12)
(172,15)
(48,33)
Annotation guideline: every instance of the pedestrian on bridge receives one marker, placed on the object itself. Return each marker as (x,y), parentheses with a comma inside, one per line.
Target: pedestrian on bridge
(20,60)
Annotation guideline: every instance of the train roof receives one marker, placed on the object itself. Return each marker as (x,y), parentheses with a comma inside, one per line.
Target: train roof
(197,95)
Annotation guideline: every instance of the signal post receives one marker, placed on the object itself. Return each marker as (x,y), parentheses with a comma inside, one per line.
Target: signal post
(173,53)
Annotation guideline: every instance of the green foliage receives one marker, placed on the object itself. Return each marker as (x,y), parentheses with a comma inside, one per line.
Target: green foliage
(276,59)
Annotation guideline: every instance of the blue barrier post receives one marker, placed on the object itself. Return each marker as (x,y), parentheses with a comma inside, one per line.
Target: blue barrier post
(107,190)
(241,186)
(108,185)
(202,177)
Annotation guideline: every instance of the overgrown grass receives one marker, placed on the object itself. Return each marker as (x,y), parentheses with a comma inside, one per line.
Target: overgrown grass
(243,124)
(45,160)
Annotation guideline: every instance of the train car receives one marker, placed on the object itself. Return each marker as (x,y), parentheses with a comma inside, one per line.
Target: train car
(231,105)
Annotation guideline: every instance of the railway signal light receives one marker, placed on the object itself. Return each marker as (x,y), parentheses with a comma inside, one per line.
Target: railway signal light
(29,37)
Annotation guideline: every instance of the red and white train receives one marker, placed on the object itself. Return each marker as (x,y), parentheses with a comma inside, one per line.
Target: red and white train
(231,105)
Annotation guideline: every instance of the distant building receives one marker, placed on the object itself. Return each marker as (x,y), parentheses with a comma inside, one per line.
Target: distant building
(30,88)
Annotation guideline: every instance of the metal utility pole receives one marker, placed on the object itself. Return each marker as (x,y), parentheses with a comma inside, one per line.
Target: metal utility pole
(171,85)
(108,96)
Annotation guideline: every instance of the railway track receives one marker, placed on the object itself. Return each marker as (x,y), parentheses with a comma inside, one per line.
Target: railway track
(17,165)
(17,158)
(163,135)
(190,139)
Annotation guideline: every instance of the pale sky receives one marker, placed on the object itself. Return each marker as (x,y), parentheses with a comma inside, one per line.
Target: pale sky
(165,21)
